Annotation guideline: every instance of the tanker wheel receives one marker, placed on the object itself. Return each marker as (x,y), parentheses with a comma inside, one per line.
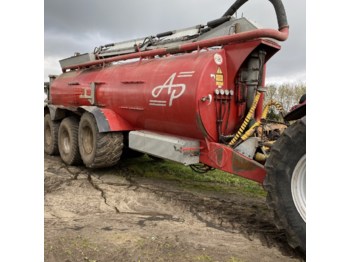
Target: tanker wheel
(285,183)
(98,149)
(51,135)
(68,141)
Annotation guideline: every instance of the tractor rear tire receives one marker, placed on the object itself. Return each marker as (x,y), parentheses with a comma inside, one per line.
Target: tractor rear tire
(285,183)
(97,149)
(68,141)
(51,135)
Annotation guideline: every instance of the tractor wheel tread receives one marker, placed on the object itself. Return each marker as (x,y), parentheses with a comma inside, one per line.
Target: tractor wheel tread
(277,182)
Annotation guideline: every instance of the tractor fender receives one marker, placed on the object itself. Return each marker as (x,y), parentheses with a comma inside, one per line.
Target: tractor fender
(107,120)
(296,112)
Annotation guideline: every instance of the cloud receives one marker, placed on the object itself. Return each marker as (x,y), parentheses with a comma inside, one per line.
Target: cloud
(51,66)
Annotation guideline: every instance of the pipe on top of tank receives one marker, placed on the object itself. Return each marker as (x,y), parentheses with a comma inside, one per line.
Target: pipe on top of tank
(281,35)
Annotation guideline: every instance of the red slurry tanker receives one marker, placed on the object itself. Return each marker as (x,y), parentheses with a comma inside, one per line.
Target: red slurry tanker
(194,96)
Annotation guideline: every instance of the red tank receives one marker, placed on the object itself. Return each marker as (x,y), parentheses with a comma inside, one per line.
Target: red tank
(173,94)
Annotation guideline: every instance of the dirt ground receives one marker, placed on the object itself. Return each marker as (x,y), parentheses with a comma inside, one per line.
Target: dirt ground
(115,215)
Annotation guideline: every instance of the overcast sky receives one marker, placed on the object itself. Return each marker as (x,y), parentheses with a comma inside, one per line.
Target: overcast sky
(80,25)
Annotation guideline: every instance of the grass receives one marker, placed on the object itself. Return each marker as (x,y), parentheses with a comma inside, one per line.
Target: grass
(215,180)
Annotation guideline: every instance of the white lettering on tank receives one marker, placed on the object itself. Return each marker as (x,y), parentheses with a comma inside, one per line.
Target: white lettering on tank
(174,90)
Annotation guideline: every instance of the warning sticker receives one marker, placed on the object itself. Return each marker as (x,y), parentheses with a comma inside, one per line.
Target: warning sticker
(219,77)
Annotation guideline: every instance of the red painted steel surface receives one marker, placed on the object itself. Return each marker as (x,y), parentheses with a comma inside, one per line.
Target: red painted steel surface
(225,158)
(163,94)
(115,121)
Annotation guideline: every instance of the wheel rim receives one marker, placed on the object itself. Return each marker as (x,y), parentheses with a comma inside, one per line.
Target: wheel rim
(87,137)
(298,187)
(66,142)
(48,136)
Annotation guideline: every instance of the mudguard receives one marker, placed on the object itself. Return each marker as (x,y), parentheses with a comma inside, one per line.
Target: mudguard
(56,112)
(297,112)
(107,120)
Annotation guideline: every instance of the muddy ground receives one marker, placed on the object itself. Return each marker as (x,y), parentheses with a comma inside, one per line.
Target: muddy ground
(116,215)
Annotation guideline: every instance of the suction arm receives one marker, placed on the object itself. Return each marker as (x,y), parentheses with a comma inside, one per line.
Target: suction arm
(277,4)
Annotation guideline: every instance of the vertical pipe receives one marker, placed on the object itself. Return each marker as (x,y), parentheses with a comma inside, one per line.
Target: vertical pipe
(260,106)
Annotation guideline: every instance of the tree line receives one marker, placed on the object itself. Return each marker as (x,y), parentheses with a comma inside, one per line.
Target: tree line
(287,94)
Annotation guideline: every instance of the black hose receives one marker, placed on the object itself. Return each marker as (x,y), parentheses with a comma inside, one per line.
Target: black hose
(280,13)
(219,21)
(233,8)
(277,4)
(165,34)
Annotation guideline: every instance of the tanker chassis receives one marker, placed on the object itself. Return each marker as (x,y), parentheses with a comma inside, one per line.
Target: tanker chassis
(194,96)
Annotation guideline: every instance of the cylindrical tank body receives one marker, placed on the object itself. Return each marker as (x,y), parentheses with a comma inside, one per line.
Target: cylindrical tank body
(173,94)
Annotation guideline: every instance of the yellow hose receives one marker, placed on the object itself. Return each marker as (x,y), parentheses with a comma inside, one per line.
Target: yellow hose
(265,148)
(268,105)
(251,130)
(260,157)
(246,120)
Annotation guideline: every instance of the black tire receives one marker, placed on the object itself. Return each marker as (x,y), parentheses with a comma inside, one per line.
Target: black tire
(284,163)
(68,141)
(97,149)
(51,135)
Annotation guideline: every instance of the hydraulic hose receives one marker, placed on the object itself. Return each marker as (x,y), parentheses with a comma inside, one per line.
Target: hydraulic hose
(260,157)
(251,130)
(274,103)
(246,120)
(277,4)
